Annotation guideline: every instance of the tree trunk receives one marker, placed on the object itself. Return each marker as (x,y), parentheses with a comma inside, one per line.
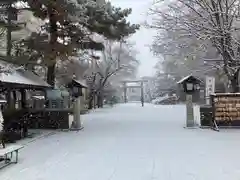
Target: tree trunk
(235,82)
(51,74)
(90,103)
(53,40)
(91,99)
(94,100)
(9,31)
(100,99)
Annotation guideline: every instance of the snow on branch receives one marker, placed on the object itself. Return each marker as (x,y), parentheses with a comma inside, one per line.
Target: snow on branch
(117,61)
(184,24)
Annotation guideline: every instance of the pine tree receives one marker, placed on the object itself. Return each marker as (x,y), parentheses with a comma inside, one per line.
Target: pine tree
(76,21)
(8,24)
(73,21)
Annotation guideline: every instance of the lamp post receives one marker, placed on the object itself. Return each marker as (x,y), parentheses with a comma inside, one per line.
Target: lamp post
(190,84)
(76,92)
(190,88)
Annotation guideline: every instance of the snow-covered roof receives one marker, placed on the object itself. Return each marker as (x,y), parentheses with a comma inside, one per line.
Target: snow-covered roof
(225,94)
(188,77)
(21,76)
(39,97)
(2,101)
(81,82)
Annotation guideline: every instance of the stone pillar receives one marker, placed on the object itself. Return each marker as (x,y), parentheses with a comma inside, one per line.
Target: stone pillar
(189,108)
(77,124)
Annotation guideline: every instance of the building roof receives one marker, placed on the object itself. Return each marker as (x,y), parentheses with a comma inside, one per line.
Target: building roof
(20,76)
(80,83)
(187,78)
(2,101)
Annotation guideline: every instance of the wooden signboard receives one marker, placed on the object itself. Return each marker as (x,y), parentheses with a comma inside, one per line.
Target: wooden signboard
(226,109)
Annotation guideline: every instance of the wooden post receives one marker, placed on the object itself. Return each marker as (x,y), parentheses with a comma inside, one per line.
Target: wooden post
(23,98)
(14,98)
(142,94)
(94,100)
(125,92)
(9,99)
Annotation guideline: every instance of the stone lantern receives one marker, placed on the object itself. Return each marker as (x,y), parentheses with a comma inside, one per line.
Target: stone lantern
(190,84)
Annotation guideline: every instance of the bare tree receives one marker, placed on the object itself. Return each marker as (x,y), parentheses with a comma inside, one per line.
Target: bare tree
(74,66)
(212,23)
(117,61)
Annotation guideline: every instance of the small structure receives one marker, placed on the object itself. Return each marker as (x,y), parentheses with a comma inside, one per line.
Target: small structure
(17,85)
(77,87)
(76,90)
(60,104)
(190,85)
(127,86)
(9,155)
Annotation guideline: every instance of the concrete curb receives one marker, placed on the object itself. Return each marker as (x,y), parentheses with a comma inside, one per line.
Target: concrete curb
(44,135)
(185,127)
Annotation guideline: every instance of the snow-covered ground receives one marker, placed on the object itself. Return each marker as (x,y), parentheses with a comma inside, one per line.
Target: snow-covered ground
(129,142)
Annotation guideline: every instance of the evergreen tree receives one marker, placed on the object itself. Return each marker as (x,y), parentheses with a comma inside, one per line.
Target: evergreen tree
(73,22)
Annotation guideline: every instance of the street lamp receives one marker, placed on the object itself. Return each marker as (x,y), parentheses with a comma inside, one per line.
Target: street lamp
(189,87)
(76,91)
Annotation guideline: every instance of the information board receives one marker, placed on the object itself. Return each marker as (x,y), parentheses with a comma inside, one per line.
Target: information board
(226,107)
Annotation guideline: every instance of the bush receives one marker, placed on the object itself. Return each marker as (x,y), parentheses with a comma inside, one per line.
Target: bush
(11,136)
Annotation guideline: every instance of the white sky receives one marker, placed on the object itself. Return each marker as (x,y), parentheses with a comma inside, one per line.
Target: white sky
(144,36)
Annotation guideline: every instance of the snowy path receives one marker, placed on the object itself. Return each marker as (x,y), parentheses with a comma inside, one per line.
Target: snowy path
(129,142)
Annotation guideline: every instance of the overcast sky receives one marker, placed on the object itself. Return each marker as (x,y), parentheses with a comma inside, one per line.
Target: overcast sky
(144,36)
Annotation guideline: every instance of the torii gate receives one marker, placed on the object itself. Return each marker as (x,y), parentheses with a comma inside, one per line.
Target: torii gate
(125,86)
